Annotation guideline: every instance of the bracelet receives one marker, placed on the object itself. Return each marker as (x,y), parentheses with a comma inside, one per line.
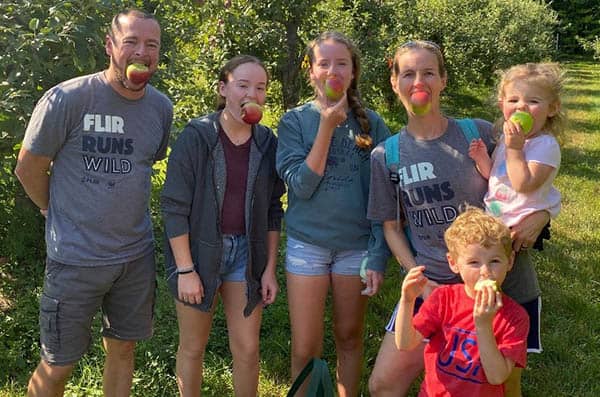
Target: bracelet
(185,270)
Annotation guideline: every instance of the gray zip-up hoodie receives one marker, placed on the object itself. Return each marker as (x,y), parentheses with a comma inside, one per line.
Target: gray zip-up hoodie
(192,200)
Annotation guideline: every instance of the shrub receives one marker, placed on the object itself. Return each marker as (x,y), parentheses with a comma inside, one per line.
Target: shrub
(592,45)
(481,36)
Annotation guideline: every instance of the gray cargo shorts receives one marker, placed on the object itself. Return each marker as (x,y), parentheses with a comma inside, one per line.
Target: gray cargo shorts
(72,296)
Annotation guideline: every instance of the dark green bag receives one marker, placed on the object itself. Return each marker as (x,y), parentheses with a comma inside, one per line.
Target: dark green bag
(320,381)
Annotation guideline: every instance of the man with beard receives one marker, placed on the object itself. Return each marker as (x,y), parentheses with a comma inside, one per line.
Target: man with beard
(86,162)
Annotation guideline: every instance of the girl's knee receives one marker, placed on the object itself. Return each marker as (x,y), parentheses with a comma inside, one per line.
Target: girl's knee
(349,340)
(303,353)
(191,353)
(245,354)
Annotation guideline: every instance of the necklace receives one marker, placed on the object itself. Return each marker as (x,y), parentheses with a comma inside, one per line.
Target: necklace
(238,138)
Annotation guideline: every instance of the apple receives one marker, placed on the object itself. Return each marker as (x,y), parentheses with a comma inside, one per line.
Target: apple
(363,277)
(523,119)
(138,73)
(334,89)
(363,269)
(420,103)
(481,284)
(251,112)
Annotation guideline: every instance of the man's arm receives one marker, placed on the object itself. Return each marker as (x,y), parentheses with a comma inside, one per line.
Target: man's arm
(33,173)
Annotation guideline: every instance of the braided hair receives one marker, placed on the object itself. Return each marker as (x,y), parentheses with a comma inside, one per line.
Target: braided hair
(362,140)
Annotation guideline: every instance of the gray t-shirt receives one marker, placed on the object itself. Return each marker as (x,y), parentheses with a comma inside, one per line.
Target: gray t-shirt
(437,177)
(103,147)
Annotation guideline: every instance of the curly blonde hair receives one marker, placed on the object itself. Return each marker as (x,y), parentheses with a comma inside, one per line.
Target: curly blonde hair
(548,76)
(474,226)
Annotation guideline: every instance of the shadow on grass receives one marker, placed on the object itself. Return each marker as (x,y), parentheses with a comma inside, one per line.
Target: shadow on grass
(570,282)
(582,78)
(583,92)
(581,163)
(586,107)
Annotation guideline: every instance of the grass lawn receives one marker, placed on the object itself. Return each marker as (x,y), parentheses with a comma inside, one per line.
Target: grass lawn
(568,270)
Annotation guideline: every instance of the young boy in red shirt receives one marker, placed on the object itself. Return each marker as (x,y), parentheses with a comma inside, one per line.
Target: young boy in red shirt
(476,333)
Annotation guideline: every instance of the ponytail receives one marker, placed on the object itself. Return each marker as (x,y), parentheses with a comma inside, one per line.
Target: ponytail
(362,140)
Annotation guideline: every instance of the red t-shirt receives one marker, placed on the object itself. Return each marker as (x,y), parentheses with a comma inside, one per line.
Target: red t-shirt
(234,202)
(452,363)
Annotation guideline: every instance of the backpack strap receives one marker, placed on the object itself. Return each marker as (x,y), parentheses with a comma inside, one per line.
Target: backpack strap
(392,156)
(469,129)
(320,384)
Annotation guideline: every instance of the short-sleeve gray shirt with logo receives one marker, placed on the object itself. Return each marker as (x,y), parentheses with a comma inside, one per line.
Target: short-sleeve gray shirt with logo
(103,147)
(436,178)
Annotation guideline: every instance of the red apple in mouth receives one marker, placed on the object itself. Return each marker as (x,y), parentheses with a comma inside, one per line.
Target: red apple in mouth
(251,112)
(138,73)
(420,103)
(334,89)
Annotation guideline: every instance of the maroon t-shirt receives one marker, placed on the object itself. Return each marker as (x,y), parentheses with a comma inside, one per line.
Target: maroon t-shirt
(234,203)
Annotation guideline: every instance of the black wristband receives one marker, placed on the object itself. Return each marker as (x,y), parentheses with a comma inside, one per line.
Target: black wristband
(186,271)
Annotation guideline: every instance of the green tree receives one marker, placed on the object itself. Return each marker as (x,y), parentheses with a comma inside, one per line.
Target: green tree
(480,36)
(579,23)
(39,47)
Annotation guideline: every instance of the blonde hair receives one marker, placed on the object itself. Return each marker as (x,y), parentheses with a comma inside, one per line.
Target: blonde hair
(474,226)
(362,140)
(419,45)
(547,76)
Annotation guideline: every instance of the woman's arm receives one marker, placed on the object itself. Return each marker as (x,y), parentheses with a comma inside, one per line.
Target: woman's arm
(269,285)
(526,232)
(303,171)
(189,285)
(398,244)
(331,117)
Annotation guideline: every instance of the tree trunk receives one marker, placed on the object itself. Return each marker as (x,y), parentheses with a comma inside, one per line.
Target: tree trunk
(290,83)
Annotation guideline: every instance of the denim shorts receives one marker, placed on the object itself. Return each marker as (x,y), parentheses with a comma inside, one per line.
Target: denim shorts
(234,260)
(72,296)
(310,260)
